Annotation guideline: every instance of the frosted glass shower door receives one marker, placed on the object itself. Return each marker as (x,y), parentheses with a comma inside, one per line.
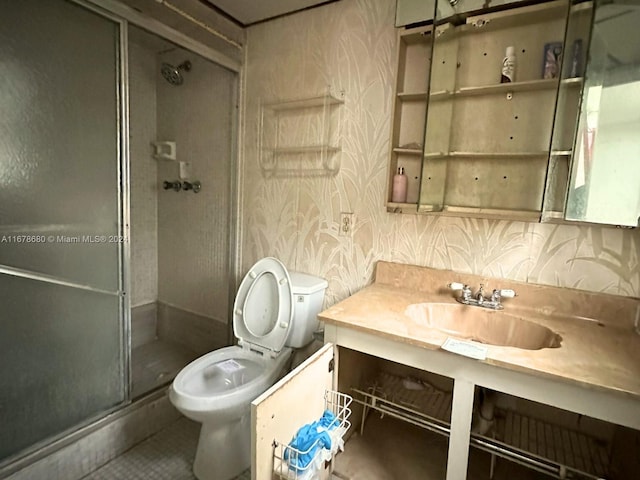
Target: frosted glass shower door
(62,335)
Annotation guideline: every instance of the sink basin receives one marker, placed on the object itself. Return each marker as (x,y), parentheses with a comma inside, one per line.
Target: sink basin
(483,325)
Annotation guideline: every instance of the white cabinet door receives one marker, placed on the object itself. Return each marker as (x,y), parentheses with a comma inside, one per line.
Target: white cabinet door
(294,401)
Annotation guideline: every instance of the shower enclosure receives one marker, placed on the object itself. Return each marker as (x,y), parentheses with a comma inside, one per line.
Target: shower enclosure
(182,104)
(109,283)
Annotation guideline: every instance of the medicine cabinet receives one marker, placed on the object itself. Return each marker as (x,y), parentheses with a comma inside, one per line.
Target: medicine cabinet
(555,145)
(487,143)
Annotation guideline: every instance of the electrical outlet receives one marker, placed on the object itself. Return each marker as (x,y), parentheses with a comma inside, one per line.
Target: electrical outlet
(346,224)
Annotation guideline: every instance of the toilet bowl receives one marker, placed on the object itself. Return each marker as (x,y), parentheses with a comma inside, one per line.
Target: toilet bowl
(217,388)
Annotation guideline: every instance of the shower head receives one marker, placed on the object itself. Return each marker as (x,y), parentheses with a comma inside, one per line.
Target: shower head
(172,74)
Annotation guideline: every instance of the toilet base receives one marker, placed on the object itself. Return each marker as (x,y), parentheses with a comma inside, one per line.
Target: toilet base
(224,449)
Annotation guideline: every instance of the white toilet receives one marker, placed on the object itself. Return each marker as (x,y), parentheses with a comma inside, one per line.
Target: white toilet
(274,311)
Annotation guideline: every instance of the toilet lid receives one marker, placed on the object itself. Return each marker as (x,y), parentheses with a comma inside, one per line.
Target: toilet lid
(263,309)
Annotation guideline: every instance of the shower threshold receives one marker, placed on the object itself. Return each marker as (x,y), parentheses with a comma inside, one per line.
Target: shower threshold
(156,363)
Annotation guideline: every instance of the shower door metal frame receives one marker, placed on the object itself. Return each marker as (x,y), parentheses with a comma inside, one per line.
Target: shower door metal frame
(124,204)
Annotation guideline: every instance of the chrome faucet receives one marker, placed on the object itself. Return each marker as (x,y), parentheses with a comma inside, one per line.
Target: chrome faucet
(493,302)
(480,295)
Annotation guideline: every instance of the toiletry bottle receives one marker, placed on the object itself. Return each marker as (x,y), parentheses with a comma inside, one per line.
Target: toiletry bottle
(552,60)
(399,191)
(576,59)
(509,66)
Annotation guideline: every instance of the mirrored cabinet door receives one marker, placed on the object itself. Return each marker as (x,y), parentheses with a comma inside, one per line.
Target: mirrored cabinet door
(604,185)
(567,110)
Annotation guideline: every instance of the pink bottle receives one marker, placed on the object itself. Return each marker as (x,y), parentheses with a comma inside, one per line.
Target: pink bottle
(399,190)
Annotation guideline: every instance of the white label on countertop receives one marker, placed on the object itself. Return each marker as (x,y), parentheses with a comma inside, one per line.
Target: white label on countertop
(229,366)
(467,349)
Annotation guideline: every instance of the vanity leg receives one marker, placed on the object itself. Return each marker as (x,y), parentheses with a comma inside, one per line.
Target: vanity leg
(461,412)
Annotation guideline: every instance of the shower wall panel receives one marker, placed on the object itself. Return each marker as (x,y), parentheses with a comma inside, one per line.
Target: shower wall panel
(143,75)
(193,228)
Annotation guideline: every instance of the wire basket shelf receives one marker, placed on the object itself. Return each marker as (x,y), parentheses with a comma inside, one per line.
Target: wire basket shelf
(290,463)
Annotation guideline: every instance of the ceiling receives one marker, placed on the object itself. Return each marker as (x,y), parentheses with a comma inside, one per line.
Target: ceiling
(247,12)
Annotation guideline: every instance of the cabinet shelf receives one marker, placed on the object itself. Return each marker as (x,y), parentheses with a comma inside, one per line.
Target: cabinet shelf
(412,96)
(526,86)
(408,151)
(481,212)
(529,85)
(501,155)
(561,153)
(572,82)
(440,95)
(395,207)
(554,214)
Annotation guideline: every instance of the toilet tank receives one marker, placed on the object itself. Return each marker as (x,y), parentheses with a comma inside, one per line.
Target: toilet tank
(308,295)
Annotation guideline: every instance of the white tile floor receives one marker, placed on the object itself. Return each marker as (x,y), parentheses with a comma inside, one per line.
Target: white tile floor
(168,455)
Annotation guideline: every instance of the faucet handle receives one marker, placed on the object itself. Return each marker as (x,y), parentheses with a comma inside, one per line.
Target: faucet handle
(456,286)
(497,295)
(507,293)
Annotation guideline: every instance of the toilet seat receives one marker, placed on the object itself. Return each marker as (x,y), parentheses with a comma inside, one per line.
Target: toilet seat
(263,308)
(214,382)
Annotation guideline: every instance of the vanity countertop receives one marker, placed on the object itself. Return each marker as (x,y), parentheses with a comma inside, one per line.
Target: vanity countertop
(602,354)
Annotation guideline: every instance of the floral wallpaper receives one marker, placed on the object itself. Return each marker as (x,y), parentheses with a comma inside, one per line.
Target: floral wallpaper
(351,46)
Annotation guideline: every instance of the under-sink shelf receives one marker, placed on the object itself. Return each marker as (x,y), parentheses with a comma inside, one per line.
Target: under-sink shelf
(548,448)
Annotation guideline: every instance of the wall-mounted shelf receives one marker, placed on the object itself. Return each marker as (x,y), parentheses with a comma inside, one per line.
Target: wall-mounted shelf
(304,149)
(164,150)
(311,102)
(301,137)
